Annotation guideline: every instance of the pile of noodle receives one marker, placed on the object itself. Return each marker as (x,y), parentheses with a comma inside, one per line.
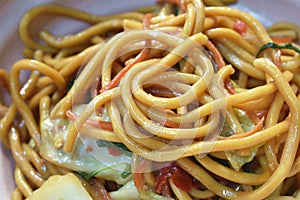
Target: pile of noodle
(182,85)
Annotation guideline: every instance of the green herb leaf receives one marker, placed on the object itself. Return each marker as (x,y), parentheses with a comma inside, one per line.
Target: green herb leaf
(276,46)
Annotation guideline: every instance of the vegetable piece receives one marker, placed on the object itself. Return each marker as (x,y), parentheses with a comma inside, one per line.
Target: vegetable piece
(139,166)
(283,39)
(217,55)
(116,145)
(128,191)
(277,46)
(140,57)
(88,176)
(98,162)
(67,187)
(237,161)
(234,157)
(92,122)
(181,179)
(257,128)
(240,27)
(220,63)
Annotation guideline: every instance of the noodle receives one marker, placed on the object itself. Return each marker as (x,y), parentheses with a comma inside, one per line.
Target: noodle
(181,100)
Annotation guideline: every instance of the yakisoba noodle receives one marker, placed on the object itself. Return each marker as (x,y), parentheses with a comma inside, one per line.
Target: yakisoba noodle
(183,100)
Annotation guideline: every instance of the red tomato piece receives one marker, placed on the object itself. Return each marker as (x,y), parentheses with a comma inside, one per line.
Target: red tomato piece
(182,180)
(113,151)
(240,27)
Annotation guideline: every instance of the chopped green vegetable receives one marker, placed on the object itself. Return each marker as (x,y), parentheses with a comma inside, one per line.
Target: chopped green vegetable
(226,130)
(276,46)
(237,161)
(125,174)
(117,145)
(246,123)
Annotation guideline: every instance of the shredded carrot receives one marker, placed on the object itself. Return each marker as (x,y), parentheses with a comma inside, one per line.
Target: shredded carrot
(140,57)
(92,122)
(229,86)
(138,177)
(257,128)
(218,57)
(170,124)
(138,180)
(261,113)
(282,39)
(253,116)
(221,63)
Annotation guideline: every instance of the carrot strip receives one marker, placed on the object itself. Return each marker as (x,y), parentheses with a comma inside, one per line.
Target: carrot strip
(219,59)
(261,113)
(170,124)
(282,39)
(221,63)
(253,116)
(257,128)
(138,177)
(91,122)
(229,86)
(138,180)
(140,57)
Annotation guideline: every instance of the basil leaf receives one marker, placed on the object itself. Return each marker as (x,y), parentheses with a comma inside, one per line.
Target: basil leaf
(276,46)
